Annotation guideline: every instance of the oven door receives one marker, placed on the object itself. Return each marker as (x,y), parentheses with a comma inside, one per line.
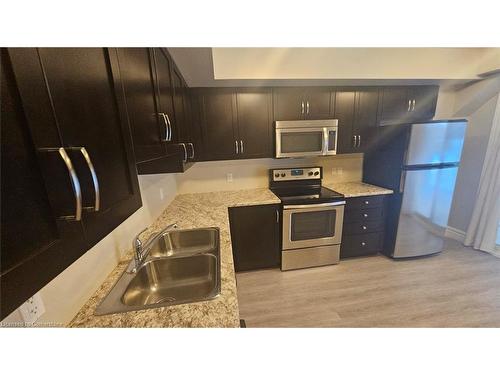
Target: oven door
(300,142)
(312,225)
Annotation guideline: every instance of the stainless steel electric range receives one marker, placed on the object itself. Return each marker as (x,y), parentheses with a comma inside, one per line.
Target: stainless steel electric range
(312,218)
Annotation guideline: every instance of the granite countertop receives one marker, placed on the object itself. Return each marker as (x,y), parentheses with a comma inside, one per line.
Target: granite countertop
(356,189)
(188,211)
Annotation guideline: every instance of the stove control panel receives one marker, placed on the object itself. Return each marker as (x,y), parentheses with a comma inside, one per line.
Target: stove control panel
(291,174)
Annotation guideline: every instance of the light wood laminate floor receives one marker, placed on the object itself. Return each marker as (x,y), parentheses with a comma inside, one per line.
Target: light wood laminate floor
(458,288)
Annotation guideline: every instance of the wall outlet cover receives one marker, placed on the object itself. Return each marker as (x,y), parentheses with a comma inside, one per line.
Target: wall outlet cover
(32,309)
(229,177)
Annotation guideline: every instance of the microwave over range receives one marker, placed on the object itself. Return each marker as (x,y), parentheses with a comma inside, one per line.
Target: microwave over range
(303,138)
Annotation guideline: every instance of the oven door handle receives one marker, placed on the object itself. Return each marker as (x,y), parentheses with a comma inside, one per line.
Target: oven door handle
(318,205)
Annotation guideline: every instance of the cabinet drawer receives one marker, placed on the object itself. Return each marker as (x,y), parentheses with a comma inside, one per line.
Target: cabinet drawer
(365,202)
(364,227)
(361,244)
(363,214)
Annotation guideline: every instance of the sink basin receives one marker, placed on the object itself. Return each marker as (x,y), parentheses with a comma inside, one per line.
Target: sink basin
(173,280)
(183,242)
(182,266)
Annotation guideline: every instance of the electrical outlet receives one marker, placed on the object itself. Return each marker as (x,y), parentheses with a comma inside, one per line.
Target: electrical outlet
(340,171)
(161,194)
(229,177)
(32,309)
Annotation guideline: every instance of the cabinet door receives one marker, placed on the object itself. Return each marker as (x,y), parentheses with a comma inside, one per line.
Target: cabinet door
(164,89)
(89,108)
(425,100)
(35,245)
(395,105)
(219,133)
(289,104)
(365,118)
(255,122)
(255,237)
(344,113)
(318,103)
(148,128)
(182,126)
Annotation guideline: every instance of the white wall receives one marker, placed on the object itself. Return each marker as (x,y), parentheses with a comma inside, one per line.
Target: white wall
(65,295)
(253,173)
(471,164)
(350,63)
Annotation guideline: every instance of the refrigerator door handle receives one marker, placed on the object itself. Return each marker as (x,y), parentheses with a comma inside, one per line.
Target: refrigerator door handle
(402,180)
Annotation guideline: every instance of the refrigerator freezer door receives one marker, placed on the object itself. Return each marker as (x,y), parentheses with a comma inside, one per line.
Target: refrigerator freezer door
(424,211)
(436,143)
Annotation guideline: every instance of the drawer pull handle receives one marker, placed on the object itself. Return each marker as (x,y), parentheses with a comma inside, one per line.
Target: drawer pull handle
(364,227)
(363,243)
(367,202)
(365,215)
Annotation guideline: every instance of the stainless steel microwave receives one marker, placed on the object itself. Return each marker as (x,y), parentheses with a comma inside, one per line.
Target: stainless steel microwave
(304,138)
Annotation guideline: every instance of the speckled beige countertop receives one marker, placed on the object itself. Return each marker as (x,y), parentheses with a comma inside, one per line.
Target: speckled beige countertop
(356,189)
(188,211)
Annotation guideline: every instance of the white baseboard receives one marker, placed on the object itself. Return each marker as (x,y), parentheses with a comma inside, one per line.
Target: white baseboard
(455,234)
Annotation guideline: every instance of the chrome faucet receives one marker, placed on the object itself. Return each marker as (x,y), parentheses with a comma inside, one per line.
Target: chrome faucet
(141,250)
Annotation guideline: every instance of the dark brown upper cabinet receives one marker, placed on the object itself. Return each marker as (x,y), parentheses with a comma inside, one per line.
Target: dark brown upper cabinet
(149,128)
(365,124)
(401,105)
(344,112)
(235,124)
(304,103)
(255,123)
(215,111)
(68,168)
(156,97)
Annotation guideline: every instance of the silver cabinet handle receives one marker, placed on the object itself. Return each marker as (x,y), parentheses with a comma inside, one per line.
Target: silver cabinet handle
(166,126)
(359,140)
(365,215)
(236,143)
(367,202)
(354,138)
(75,183)
(363,243)
(302,110)
(307,106)
(192,149)
(364,227)
(277,216)
(169,128)
(409,105)
(413,106)
(95,181)
(241,147)
(185,152)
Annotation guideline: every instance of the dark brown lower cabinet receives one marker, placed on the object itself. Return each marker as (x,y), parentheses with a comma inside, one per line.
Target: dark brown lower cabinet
(364,226)
(255,236)
(58,106)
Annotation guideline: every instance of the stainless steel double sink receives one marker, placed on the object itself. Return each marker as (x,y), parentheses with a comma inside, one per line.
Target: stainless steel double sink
(182,266)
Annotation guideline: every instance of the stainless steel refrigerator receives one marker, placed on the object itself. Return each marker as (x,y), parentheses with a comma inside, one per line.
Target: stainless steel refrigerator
(420,163)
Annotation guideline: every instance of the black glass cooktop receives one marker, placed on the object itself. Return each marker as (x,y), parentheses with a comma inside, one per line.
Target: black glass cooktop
(306,195)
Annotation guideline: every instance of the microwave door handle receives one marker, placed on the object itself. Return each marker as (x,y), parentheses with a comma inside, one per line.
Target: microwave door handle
(325,141)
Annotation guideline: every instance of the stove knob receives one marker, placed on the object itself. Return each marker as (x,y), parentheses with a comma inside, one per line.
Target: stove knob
(283,175)
(310,173)
(316,173)
(276,175)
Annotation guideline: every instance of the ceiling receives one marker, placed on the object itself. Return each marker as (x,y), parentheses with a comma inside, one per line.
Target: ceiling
(213,67)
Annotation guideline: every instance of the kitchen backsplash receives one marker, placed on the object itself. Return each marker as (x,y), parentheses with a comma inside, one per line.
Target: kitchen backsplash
(253,173)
